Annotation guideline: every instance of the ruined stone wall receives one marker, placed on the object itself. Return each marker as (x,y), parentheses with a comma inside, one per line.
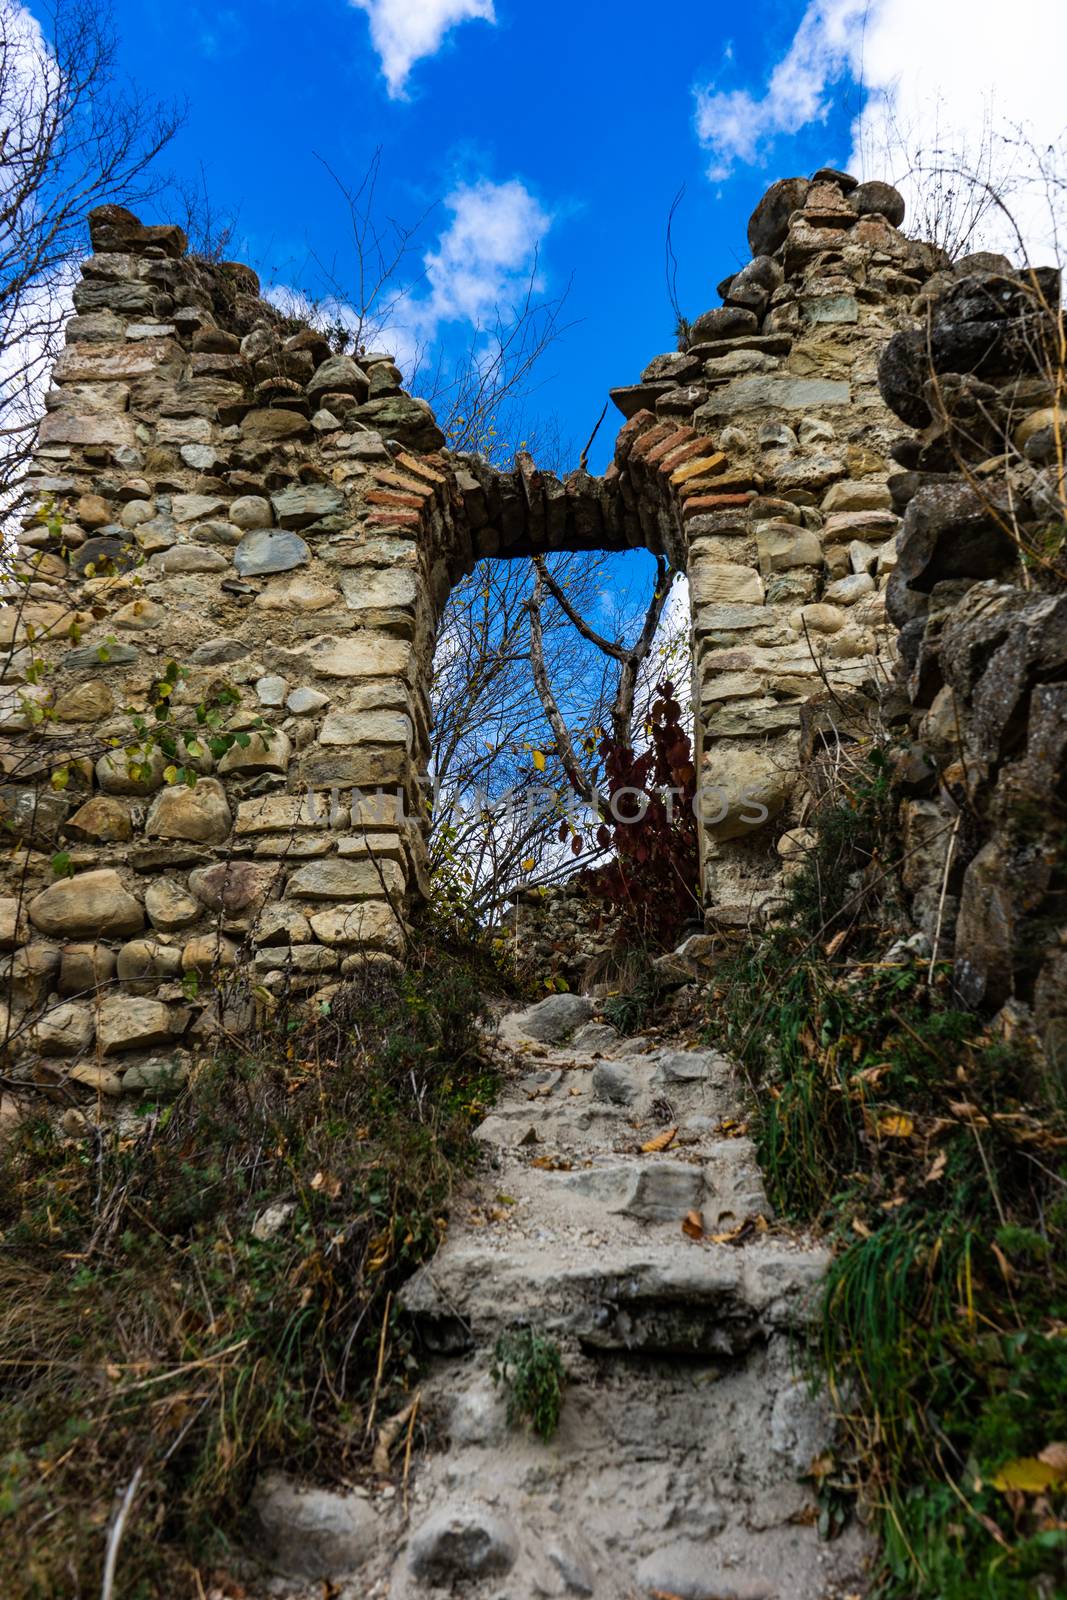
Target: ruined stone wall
(979,597)
(214,487)
(789,527)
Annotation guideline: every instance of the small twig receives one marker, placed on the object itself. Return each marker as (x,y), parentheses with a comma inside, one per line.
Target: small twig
(382,1342)
(944,891)
(114,1538)
(407,1447)
(990,1179)
(584,457)
(187,1366)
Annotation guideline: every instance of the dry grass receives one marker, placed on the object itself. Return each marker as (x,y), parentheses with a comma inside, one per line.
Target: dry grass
(155,1344)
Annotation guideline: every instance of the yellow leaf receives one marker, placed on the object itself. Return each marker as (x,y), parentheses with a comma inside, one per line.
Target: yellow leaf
(662,1141)
(1028,1475)
(896,1126)
(529,864)
(539,760)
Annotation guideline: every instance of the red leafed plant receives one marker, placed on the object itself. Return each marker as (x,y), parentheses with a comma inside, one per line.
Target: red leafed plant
(649,820)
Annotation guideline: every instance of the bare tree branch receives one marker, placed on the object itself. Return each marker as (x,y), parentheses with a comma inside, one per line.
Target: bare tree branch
(69,141)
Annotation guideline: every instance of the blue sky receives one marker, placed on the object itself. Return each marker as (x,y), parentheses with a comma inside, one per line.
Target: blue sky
(561,127)
(589,107)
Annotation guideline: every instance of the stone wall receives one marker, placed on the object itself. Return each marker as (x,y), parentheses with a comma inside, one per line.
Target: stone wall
(214,487)
(979,597)
(558,931)
(788,524)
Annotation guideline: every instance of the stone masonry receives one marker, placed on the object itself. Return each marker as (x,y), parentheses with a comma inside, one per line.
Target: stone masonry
(215,487)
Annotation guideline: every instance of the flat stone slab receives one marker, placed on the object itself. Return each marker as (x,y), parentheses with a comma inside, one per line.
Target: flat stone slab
(698,1300)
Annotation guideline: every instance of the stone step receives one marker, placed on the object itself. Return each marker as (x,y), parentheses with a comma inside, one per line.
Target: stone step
(720,1182)
(674,1476)
(597,1104)
(719,1179)
(695,1300)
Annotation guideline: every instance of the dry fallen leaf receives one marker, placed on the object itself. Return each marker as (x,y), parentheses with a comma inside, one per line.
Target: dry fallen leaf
(873,1074)
(743,1231)
(937,1167)
(1007,1270)
(388,1434)
(327,1183)
(693,1225)
(964,1108)
(662,1141)
(1054,1455)
(861,1228)
(1028,1475)
(896,1125)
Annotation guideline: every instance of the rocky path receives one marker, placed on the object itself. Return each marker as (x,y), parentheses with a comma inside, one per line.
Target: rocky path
(687,1422)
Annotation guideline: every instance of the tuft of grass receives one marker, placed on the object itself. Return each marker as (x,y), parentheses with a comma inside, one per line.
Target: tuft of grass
(638,991)
(213,1291)
(531,1369)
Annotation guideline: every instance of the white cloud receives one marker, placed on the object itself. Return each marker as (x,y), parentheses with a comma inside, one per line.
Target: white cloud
(483,262)
(486,254)
(955,76)
(735,125)
(405,31)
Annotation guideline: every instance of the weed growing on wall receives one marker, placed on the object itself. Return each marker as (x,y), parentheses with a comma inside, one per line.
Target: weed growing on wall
(530,1369)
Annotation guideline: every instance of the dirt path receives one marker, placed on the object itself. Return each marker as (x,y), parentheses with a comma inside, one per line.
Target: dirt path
(687,1422)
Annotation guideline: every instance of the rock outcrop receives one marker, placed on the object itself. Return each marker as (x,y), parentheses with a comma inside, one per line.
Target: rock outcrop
(978,594)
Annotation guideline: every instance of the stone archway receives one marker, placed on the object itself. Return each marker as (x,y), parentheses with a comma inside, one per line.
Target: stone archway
(280,519)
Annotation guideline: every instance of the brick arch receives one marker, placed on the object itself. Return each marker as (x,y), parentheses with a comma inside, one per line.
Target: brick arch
(281,519)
